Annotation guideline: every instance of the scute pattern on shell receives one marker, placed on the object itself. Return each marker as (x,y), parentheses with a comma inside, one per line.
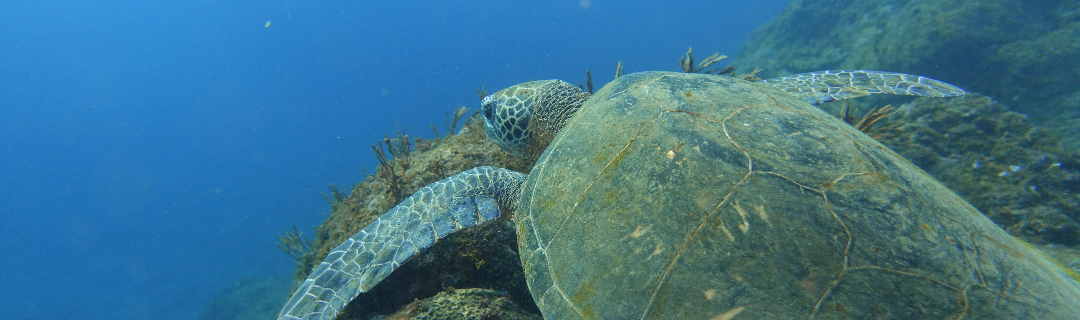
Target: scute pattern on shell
(675,196)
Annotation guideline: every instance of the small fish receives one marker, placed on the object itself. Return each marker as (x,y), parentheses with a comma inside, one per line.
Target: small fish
(267,24)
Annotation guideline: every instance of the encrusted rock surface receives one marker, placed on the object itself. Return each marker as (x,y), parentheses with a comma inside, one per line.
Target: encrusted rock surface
(465,304)
(1024,53)
(1016,173)
(484,256)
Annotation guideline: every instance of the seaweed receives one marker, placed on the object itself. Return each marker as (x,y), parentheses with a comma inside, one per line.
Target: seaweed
(336,197)
(438,168)
(400,151)
(452,121)
(452,124)
(295,245)
(588,82)
(687,63)
(482,93)
(752,76)
(866,123)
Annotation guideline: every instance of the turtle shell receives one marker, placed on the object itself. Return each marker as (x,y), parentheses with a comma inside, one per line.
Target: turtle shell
(672,195)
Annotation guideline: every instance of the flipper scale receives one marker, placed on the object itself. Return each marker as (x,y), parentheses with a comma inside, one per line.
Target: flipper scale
(831,85)
(362,261)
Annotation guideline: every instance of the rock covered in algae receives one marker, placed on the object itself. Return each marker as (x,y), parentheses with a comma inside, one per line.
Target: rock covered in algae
(484,257)
(465,304)
(1023,53)
(1016,173)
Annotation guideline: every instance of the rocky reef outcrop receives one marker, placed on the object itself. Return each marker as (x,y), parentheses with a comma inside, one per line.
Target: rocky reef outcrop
(1023,53)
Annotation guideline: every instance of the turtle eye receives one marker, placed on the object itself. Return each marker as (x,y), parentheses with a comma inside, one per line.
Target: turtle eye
(489,109)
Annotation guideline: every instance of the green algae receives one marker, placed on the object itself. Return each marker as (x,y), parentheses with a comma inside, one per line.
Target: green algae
(1016,173)
(1022,53)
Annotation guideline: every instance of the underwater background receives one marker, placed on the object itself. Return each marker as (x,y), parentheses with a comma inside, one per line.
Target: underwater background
(151,152)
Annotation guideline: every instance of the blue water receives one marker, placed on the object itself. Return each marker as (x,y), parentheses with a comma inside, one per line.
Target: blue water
(150,151)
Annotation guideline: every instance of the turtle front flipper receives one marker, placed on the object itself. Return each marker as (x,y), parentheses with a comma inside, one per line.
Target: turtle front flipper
(358,264)
(831,85)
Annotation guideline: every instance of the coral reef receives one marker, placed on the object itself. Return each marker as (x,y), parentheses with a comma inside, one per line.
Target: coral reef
(1021,52)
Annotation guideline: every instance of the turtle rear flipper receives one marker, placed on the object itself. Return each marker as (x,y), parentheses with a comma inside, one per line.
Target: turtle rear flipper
(463,200)
(831,85)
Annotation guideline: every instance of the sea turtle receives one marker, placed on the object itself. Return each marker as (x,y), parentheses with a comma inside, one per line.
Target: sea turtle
(675,196)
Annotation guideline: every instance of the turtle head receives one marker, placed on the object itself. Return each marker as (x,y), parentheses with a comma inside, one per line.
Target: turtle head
(506,116)
(523,119)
